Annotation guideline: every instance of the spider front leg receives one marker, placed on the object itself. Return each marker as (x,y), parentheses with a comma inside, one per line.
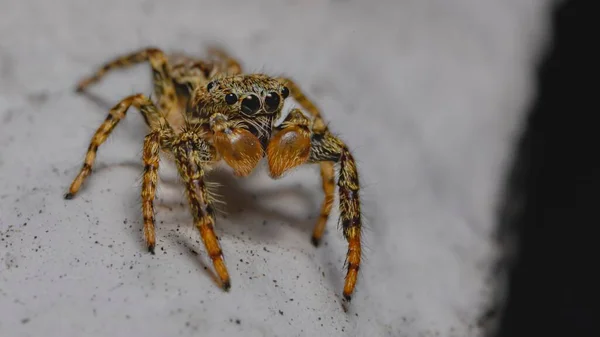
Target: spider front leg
(327,168)
(151,157)
(295,144)
(327,147)
(151,115)
(191,154)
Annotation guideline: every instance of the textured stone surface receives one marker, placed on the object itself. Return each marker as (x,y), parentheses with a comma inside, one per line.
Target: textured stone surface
(427,93)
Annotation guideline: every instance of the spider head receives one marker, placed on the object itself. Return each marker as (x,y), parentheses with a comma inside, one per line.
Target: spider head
(241,111)
(241,97)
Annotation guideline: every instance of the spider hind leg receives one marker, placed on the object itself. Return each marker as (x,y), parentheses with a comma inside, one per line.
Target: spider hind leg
(164,86)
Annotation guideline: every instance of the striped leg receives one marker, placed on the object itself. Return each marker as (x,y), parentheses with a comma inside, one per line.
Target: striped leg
(294,145)
(328,148)
(151,159)
(348,187)
(327,168)
(327,176)
(295,91)
(190,154)
(164,88)
(118,112)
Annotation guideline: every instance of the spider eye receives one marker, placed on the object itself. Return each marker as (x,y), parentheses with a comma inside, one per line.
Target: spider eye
(210,85)
(272,101)
(250,104)
(231,99)
(285,92)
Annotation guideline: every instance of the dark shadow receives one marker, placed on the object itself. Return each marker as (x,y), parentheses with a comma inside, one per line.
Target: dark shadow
(239,203)
(549,213)
(185,246)
(236,201)
(99,167)
(246,210)
(104,104)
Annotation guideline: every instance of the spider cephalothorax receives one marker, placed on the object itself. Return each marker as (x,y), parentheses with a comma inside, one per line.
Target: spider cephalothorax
(240,111)
(208,111)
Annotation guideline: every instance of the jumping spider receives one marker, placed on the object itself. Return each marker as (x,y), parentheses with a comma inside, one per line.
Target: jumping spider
(207,111)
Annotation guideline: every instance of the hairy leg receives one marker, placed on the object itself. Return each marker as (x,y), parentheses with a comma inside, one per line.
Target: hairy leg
(327,169)
(326,149)
(190,74)
(318,124)
(151,161)
(164,88)
(191,153)
(328,179)
(151,115)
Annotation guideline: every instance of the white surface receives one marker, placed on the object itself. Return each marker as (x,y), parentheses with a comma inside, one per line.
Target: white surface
(427,93)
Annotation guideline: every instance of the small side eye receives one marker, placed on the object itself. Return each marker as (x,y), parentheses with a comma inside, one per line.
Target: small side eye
(272,101)
(231,99)
(285,92)
(250,104)
(210,85)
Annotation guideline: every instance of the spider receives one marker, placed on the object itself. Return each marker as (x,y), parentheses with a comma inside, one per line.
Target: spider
(207,111)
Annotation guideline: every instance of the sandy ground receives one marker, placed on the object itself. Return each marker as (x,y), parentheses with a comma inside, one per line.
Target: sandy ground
(428,95)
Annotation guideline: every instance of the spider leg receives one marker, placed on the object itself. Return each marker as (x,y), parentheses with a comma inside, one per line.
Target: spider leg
(121,62)
(326,147)
(191,154)
(294,145)
(189,76)
(164,88)
(151,161)
(151,115)
(327,169)
(328,181)
(296,93)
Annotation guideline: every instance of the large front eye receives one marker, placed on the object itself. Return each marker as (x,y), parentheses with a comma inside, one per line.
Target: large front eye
(272,101)
(250,104)
(231,99)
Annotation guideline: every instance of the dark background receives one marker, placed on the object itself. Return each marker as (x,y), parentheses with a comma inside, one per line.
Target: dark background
(552,277)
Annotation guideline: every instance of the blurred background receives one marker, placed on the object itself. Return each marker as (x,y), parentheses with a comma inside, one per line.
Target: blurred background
(431,96)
